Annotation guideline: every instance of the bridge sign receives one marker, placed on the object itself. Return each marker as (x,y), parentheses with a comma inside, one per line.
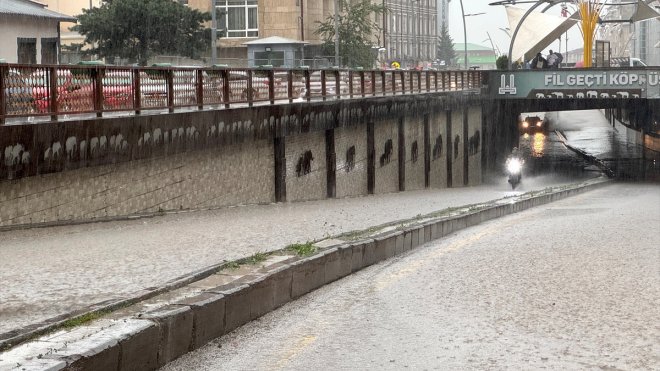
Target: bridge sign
(576,84)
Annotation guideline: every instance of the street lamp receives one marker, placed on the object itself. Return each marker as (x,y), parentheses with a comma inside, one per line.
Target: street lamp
(214,33)
(465,33)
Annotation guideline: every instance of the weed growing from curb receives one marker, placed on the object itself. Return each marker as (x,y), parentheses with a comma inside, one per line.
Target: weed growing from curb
(302,249)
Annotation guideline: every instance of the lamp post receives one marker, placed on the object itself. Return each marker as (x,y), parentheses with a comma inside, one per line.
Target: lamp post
(465,33)
(214,33)
(336,32)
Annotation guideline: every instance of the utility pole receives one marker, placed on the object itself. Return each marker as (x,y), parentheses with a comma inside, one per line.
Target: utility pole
(336,32)
(214,33)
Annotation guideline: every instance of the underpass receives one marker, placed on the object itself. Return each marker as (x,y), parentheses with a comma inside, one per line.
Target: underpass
(60,271)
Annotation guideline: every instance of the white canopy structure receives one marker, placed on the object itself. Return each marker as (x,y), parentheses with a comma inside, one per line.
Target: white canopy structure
(537,31)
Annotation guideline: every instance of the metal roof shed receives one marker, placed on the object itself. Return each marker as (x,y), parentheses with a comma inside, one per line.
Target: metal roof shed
(274,51)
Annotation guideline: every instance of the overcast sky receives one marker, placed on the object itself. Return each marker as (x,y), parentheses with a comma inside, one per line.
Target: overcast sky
(478,26)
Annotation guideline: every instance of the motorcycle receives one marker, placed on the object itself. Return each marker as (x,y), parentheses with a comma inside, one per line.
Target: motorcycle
(514,170)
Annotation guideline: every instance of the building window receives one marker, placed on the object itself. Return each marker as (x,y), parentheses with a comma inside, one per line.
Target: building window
(49,50)
(27,50)
(239,17)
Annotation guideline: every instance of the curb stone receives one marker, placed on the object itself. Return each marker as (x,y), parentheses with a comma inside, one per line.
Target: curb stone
(150,339)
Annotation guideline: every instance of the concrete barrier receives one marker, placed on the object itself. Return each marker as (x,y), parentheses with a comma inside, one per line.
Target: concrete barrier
(208,317)
(175,328)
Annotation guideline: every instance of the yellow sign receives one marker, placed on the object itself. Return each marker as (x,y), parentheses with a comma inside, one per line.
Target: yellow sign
(396,65)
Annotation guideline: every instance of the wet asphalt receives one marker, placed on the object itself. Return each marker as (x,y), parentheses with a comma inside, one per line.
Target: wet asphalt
(573,285)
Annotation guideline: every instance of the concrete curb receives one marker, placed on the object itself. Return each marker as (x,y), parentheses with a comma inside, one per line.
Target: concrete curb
(152,339)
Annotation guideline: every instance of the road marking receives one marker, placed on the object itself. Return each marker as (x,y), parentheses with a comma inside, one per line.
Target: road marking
(426,259)
(297,348)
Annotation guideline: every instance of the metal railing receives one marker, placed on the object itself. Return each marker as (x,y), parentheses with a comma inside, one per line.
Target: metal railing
(41,90)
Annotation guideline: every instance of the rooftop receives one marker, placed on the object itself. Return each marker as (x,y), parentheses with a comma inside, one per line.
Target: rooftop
(31,9)
(274,40)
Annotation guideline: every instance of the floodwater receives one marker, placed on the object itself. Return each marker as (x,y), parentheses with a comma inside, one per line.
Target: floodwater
(590,133)
(558,287)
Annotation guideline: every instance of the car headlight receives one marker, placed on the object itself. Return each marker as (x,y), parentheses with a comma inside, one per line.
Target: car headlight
(525,124)
(539,124)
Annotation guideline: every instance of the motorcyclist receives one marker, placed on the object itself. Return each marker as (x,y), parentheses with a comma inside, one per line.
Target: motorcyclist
(515,154)
(514,167)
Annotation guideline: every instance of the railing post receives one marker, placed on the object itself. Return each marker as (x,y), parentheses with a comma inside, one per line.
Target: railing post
(170,89)
(462,80)
(226,91)
(4,73)
(52,71)
(403,82)
(362,85)
(428,81)
(289,85)
(250,94)
(323,82)
(373,83)
(350,83)
(137,93)
(199,84)
(443,75)
(271,86)
(383,81)
(98,90)
(308,84)
(435,74)
(337,84)
(393,82)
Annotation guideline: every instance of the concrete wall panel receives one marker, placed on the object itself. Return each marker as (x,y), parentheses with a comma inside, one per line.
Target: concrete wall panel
(438,140)
(414,133)
(306,183)
(457,148)
(387,170)
(475,140)
(351,178)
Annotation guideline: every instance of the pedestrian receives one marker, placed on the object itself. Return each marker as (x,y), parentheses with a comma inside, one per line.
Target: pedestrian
(560,58)
(552,59)
(539,62)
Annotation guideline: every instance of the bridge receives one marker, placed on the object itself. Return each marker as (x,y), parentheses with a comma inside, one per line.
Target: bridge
(95,142)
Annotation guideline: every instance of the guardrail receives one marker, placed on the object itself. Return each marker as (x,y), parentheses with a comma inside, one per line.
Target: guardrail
(42,90)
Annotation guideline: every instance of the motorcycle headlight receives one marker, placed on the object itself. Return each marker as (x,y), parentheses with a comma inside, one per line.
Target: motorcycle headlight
(514,166)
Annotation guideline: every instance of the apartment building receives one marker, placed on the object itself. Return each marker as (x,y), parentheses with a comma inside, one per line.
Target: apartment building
(242,21)
(410,32)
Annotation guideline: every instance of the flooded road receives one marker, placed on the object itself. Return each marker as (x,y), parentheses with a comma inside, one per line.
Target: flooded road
(561,287)
(591,134)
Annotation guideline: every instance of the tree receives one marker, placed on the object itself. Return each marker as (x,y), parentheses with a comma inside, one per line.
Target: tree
(502,62)
(445,50)
(138,29)
(357,29)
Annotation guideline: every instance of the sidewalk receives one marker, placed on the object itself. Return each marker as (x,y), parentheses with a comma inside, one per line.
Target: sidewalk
(52,271)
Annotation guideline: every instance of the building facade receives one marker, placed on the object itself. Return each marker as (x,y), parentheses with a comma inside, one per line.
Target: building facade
(443,14)
(30,32)
(410,32)
(241,21)
(637,39)
(71,8)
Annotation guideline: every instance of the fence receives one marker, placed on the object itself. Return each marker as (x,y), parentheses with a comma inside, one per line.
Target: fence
(40,90)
